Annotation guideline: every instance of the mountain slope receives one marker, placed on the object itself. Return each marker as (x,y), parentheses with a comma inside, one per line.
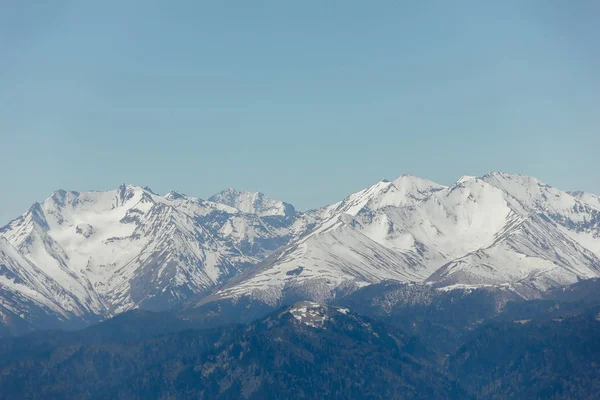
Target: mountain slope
(417,342)
(127,248)
(496,230)
(337,255)
(529,359)
(532,252)
(30,299)
(92,255)
(577,214)
(305,351)
(317,265)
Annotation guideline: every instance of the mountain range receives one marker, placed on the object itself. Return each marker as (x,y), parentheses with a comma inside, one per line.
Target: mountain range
(81,257)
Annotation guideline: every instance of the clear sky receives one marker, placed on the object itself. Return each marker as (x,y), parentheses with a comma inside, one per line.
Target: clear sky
(306,101)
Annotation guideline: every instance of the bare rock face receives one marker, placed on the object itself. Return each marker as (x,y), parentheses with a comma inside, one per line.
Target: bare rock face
(84,229)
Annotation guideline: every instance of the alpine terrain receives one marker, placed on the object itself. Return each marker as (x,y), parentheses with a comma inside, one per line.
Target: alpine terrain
(80,257)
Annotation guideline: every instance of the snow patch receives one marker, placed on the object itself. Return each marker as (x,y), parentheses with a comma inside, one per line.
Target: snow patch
(310,313)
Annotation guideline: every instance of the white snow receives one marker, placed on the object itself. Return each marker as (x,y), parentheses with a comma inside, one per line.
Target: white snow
(310,313)
(484,231)
(94,245)
(250,202)
(105,252)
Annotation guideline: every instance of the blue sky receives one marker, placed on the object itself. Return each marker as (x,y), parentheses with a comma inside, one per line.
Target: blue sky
(305,101)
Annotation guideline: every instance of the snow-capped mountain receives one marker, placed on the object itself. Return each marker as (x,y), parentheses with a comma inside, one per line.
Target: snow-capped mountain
(29,293)
(253,203)
(501,229)
(530,253)
(100,253)
(577,214)
(84,256)
(337,254)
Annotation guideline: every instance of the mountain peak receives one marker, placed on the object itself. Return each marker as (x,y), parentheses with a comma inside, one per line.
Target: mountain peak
(126,192)
(149,190)
(61,196)
(414,181)
(175,195)
(253,203)
(101,252)
(465,178)
(126,186)
(519,179)
(309,313)
(315,314)
(407,175)
(405,190)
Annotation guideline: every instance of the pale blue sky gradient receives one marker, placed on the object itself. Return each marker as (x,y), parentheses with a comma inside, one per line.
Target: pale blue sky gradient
(306,101)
